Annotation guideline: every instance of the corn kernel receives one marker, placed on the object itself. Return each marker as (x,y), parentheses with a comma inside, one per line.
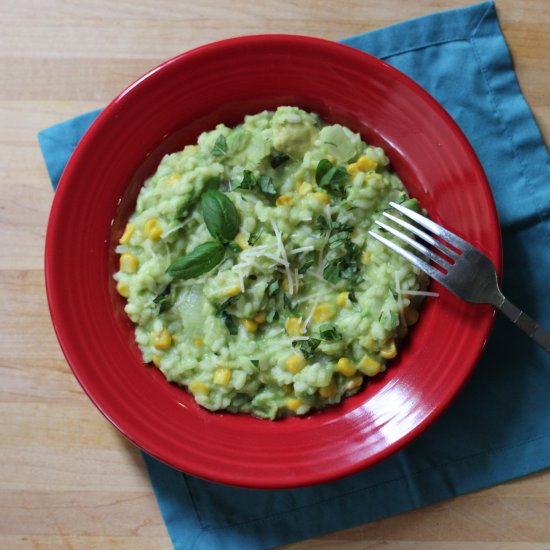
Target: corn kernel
(162,339)
(122,289)
(411,316)
(128,263)
(128,232)
(323,197)
(323,312)
(346,367)
(233,291)
(342,298)
(352,169)
(329,391)
(389,351)
(221,376)
(294,326)
(369,366)
(199,342)
(284,200)
(148,225)
(172,179)
(155,233)
(365,258)
(156,360)
(242,240)
(354,382)
(260,317)
(250,325)
(304,188)
(196,387)
(366,163)
(295,363)
(293,403)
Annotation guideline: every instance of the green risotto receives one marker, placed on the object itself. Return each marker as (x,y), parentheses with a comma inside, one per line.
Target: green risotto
(249,272)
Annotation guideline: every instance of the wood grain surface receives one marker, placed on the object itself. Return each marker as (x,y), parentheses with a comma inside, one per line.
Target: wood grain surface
(67,478)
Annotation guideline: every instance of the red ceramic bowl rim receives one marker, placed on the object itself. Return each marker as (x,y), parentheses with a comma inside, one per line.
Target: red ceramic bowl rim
(64,188)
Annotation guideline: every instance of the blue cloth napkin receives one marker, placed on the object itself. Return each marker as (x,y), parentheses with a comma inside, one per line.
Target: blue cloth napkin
(499,426)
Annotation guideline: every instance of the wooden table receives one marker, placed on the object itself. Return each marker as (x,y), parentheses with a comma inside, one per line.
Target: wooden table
(68,479)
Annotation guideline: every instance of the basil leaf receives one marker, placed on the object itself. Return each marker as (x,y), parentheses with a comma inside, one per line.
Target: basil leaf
(266,185)
(323,167)
(230,323)
(220,215)
(322,223)
(331,273)
(248,181)
(288,306)
(255,362)
(229,302)
(273,288)
(308,347)
(164,299)
(308,261)
(277,158)
(334,176)
(328,331)
(220,147)
(234,247)
(253,239)
(200,260)
(352,297)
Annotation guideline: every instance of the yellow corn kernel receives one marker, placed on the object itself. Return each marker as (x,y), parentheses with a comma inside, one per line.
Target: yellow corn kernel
(329,391)
(260,317)
(148,225)
(294,326)
(293,403)
(389,351)
(155,233)
(284,200)
(366,163)
(411,316)
(342,298)
(128,232)
(196,387)
(156,360)
(323,312)
(346,367)
(199,342)
(242,240)
(369,366)
(354,382)
(128,263)
(250,325)
(323,197)
(162,339)
(172,179)
(365,258)
(233,291)
(295,363)
(352,169)
(122,289)
(304,188)
(222,376)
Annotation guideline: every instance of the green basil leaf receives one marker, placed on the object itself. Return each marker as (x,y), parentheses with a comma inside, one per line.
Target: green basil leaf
(266,185)
(308,347)
(227,303)
(220,215)
(248,182)
(164,299)
(273,288)
(255,362)
(332,273)
(230,322)
(288,306)
(308,261)
(253,239)
(234,247)
(220,147)
(352,297)
(323,167)
(335,176)
(200,260)
(328,331)
(277,158)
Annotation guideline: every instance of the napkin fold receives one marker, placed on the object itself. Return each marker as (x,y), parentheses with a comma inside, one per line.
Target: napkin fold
(499,426)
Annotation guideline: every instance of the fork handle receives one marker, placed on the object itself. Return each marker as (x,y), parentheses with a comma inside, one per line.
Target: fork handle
(537,333)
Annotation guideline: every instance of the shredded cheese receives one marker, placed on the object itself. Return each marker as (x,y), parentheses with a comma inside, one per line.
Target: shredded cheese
(301,249)
(308,318)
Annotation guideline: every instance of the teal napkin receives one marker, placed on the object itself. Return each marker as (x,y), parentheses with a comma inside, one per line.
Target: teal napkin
(499,426)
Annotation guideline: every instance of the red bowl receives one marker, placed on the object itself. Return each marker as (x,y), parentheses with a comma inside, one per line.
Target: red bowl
(168,108)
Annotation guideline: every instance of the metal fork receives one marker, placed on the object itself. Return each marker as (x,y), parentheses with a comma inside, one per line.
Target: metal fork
(468,273)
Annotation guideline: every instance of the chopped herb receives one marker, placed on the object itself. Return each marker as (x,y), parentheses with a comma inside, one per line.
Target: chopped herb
(227,303)
(248,181)
(255,362)
(331,273)
(328,331)
(308,261)
(322,223)
(323,167)
(308,347)
(164,299)
(266,185)
(272,315)
(330,177)
(277,158)
(331,143)
(352,297)
(230,322)
(220,147)
(288,306)
(253,239)
(273,288)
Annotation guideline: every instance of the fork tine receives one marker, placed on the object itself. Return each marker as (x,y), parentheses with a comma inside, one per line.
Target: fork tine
(423,235)
(415,260)
(420,247)
(451,238)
